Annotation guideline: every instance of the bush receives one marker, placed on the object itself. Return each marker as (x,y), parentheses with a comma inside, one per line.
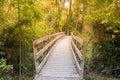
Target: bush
(6,71)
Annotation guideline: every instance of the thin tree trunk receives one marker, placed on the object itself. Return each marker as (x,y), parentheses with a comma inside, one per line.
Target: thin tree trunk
(59,13)
(69,17)
(9,8)
(118,8)
(20,43)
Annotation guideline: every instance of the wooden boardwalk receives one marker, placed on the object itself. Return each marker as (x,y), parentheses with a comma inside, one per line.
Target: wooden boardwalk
(60,64)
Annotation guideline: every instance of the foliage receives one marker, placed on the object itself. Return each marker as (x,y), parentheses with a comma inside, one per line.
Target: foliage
(104,20)
(96,76)
(5,70)
(30,19)
(22,21)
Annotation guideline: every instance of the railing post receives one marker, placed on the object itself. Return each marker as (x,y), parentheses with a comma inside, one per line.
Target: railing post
(35,61)
(83,55)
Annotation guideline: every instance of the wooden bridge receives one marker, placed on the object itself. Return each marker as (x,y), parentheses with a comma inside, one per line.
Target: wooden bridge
(59,57)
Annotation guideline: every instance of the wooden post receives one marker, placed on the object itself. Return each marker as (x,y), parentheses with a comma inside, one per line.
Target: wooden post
(83,55)
(35,60)
(20,42)
(118,8)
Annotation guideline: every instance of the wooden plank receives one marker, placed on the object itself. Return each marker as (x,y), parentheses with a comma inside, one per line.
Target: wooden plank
(60,62)
(47,46)
(79,40)
(46,58)
(38,41)
(81,56)
(58,78)
(79,69)
(77,50)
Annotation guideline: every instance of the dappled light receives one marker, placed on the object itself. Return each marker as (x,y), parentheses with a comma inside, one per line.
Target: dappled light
(67,4)
(59,39)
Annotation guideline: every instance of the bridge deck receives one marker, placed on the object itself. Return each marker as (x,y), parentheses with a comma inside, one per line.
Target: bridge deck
(61,64)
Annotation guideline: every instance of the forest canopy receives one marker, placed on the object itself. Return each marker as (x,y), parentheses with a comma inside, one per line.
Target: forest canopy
(22,21)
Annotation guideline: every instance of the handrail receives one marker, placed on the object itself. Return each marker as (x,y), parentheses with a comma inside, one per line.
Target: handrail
(51,39)
(80,54)
(40,40)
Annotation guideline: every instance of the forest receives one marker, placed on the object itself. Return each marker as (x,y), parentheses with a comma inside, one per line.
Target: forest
(96,21)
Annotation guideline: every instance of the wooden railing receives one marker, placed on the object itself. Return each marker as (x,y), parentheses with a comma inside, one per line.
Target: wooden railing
(79,48)
(42,46)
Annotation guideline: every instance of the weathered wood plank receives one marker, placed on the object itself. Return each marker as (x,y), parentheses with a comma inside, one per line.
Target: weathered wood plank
(77,50)
(38,41)
(79,69)
(37,54)
(59,78)
(46,58)
(47,46)
(60,63)
(79,40)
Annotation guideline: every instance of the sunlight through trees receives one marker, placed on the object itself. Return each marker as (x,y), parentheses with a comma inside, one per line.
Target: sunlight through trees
(22,21)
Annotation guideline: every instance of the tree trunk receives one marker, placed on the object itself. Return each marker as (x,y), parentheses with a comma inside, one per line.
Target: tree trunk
(69,17)
(20,42)
(118,8)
